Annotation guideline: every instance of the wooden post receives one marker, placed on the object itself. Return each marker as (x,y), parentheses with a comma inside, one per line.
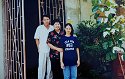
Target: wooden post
(121,65)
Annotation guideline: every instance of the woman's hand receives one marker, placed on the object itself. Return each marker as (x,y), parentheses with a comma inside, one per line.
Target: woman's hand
(78,63)
(59,49)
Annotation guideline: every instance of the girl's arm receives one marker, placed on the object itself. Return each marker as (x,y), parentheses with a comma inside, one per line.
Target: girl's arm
(78,61)
(61,60)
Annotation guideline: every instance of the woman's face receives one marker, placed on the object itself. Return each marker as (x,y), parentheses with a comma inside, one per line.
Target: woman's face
(57,26)
(68,29)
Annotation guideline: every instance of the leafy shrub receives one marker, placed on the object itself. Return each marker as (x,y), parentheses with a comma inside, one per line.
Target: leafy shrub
(92,53)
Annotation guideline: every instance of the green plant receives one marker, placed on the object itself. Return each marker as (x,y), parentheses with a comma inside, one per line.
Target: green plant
(112,26)
(91,50)
(101,41)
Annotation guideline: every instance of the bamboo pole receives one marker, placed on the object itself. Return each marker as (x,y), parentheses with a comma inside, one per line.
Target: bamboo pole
(39,12)
(63,12)
(23,28)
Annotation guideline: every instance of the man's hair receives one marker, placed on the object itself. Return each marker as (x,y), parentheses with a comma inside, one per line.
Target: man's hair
(55,20)
(45,16)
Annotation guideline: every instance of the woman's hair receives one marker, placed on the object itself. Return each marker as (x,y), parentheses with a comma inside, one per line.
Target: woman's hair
(54,21)
(72,30)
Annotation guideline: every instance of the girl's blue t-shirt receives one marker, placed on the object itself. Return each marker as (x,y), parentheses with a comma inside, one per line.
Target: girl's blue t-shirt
(69,45)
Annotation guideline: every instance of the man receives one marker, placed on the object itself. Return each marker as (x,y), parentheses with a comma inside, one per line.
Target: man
(40,37)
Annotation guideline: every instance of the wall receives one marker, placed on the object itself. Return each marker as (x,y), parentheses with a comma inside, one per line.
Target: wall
(86,9)
(1,44)
(72,11)
(77,10)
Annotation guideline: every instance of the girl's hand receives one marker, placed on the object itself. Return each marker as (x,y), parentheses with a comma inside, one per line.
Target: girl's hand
(62,65)
(78,63)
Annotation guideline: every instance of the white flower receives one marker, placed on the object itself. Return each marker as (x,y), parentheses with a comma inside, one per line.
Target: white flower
(121,16)
(117,19)
(121,39)
(105,20)
(108,28)
(102,9)
(117,50)
(107,13)
(123,6)
(123,44)
(113,2)
(105,34)
(122,25)
(122,58)
(114,30)
(113,10)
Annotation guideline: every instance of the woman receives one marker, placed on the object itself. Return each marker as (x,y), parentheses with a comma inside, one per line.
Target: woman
(53,42)
(70,59)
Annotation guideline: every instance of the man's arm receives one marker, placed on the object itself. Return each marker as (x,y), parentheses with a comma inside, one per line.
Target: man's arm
(37,42)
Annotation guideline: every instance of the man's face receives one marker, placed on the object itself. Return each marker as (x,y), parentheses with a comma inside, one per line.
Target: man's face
(46,21)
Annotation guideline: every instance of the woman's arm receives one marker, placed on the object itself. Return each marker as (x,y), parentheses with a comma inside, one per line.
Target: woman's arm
(54,47)
(78,61)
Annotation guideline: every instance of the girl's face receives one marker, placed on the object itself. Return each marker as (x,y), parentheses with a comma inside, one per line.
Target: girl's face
(57,26)
(68,29)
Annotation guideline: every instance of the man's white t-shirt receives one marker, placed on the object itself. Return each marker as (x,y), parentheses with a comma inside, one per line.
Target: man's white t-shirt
(42,34)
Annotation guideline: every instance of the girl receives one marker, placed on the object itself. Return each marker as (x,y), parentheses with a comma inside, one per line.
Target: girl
(69,58)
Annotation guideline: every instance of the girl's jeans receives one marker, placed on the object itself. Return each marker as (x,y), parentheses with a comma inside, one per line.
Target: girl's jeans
(70,72)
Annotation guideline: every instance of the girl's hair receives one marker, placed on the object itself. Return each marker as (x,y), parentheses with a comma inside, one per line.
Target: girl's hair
(72,30)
